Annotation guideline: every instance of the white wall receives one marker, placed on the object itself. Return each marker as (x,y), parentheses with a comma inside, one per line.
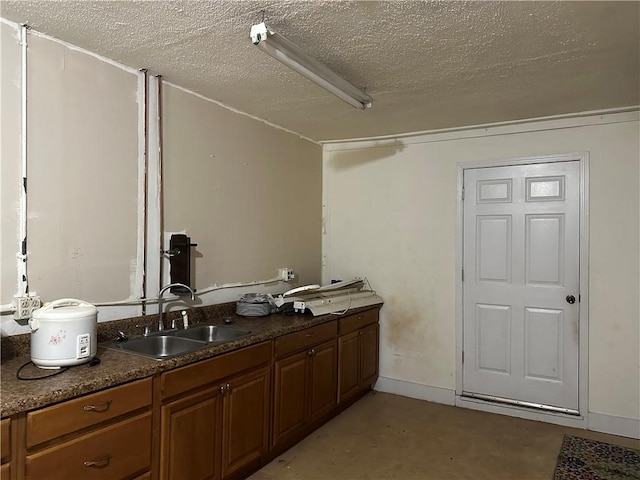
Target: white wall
(390,213)
(85,194)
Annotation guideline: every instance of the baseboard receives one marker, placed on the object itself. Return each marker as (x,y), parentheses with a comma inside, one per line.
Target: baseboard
(625,427)
(415,390)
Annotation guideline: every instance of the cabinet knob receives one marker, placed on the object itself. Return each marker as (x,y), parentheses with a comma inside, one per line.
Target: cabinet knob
(103,462)
(311,352)
(98,408)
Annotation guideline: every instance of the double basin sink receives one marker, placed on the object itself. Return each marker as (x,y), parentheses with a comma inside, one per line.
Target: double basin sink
(171,343)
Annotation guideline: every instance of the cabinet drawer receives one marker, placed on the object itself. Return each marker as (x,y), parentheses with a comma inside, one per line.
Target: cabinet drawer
(5,440)
(303,339)
(357,321)
(202,373)
(73,415)
(117,451)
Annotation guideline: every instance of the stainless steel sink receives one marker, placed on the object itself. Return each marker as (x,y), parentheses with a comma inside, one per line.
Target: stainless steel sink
(212,333)
(158,346)
(178,342)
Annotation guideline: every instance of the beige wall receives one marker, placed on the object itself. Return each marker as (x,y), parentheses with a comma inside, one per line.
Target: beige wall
(82,125)
(391,216)
(10,176)
(249,195)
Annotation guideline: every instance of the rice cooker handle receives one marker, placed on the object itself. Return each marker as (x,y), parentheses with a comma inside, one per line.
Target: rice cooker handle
(64,301)
(33,322)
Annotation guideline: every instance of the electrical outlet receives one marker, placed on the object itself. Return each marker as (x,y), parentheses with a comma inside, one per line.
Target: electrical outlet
(25,305)
(286,274)
(282,274)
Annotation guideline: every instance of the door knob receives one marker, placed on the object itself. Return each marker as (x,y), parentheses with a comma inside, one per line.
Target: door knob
(571,299)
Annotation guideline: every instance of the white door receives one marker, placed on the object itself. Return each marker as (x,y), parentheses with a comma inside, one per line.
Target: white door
(521,276)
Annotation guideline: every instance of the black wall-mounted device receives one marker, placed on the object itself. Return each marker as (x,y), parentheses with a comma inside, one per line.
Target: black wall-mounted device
(180,261)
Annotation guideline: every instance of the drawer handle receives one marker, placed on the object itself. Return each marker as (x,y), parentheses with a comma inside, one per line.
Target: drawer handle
(98,408)
(103,462)
(310,334)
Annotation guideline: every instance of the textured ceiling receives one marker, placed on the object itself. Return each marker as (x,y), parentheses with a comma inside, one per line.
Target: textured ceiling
(427,65)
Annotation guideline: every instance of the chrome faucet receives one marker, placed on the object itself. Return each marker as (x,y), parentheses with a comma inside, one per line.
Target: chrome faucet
(164,289)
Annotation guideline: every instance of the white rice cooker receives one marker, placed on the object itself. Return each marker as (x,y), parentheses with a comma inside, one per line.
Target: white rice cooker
(63,333)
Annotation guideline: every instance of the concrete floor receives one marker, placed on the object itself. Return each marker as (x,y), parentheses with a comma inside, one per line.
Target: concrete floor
(386,436)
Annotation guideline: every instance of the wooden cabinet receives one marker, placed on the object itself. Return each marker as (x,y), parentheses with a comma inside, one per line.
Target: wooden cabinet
(87,411)
(370,355)
(191,436)
(348,365)
(245,420)
(5,446)
(305,373)
(358,354)
(215,420)
(100,436)
(117,451)
(322,382)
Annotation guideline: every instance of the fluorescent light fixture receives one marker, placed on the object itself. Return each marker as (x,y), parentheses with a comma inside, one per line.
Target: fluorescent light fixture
(290,54)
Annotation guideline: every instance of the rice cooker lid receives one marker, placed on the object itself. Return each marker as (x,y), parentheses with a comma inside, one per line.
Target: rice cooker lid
(65,309)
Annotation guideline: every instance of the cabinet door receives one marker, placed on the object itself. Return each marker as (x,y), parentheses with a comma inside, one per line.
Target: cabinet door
(290,396)
(369,352)
(323,379)
(5,447)
(245,420)
(349,365)
(191,437)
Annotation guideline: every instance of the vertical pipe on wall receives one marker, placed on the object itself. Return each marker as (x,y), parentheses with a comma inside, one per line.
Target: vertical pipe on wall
(142,218)
(23,282)
(160,192)
(153,246)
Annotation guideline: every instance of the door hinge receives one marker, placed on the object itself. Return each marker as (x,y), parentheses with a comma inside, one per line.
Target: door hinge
(463,274)
(462,193)
(463,356)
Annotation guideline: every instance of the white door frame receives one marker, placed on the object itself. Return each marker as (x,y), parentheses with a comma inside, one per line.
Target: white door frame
(583,308)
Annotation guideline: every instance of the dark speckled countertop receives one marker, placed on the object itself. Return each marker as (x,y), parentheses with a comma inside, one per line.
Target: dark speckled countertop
(119,367)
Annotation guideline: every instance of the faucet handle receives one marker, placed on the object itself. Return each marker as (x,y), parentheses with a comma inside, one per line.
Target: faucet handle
(147,330)
(173,324)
